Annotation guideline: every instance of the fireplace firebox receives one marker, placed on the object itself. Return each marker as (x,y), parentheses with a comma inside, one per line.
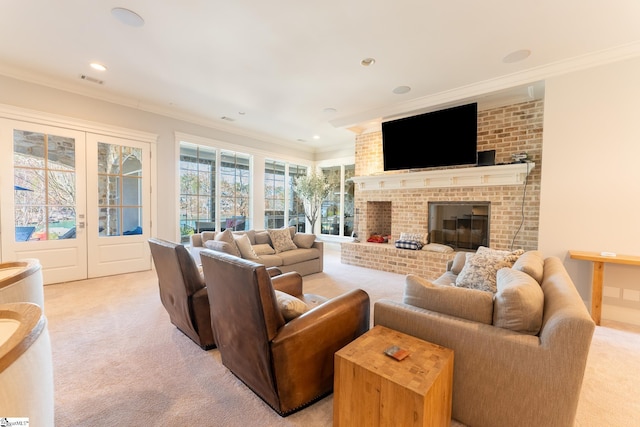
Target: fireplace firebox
(460,225)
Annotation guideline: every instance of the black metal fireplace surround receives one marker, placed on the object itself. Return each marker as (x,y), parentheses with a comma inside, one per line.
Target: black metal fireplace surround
(460,225)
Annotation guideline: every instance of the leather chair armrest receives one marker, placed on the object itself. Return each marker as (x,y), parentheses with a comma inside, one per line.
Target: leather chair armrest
(274,271)
(290,283)
(343,319)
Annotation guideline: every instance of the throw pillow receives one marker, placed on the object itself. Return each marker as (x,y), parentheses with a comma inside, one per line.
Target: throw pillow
(437,247)
(519,302)
(227,236)
(262,238)
(263,249)
(290,306)
(281,239)
(458,262)
(411,237)
(304,240)
(532,263)
(220,246)
(479,271)
(244,246)
(469,304)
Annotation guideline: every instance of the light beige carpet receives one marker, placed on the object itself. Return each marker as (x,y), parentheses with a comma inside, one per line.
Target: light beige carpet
(119,361)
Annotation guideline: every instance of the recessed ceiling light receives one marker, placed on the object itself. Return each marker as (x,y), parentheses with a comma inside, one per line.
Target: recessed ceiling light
(97,66)
(316,136)
(127,17)
(516,56)
(367,62)
(329,110)
(401,89)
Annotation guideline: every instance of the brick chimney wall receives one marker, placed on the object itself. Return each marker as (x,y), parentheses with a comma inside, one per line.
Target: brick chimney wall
(514,212)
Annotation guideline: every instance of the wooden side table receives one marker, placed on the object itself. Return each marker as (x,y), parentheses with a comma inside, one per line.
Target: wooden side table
(598,275)
(373,389)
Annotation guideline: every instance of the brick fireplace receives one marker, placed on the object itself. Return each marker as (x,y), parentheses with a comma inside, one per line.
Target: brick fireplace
(396,202)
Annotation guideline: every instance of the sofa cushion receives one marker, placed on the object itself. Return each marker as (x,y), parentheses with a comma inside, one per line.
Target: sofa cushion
(479,271)
(270,260)
(244,246)
(281,240)
(532,263)
(519,303)
(470,304)
(298,255)
(290,306)
(304,240)
(264,249)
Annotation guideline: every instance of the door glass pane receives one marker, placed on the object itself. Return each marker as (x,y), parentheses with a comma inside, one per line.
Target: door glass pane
(44,186)
(119,190)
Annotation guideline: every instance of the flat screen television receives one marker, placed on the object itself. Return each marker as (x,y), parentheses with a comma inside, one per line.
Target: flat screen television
(446,137)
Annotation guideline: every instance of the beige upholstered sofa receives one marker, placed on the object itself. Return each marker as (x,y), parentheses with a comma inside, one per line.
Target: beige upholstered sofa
(519,354)
(284,248)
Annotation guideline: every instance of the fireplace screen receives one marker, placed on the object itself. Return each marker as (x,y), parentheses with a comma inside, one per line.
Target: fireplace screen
(460,225)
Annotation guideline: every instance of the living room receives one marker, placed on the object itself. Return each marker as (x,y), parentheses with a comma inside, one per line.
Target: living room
(588,181)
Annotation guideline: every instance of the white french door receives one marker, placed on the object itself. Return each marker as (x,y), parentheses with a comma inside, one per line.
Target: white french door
(77,201)
(42,171)
(119,197)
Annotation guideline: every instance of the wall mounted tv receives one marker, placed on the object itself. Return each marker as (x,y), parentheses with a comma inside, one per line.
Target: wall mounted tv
(446,137)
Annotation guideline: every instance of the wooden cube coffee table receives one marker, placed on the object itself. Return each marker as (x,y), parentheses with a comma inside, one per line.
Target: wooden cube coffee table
(373,389)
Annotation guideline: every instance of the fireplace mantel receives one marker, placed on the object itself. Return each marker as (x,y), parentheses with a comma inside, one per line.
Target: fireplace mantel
(511,174)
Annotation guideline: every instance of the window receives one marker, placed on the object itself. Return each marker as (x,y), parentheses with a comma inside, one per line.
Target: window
(197,189)
(214,189)
(45,186)
(336,217)
(274,194)
(297,217)
(235,189)
(279,193)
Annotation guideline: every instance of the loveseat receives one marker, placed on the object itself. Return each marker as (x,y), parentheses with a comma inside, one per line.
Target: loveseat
(520,339)
(284,248)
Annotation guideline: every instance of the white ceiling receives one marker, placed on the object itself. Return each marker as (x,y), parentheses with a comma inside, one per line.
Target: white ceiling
(274,67)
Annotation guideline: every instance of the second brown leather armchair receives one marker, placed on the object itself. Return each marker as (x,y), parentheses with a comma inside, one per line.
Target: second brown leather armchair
(288,364)
(182,291)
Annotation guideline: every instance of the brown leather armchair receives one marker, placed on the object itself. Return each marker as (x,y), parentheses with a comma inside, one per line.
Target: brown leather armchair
(288,364)
(182,291)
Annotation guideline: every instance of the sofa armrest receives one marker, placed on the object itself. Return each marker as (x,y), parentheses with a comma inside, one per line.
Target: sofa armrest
(195,240)
(290,283)
(496,362)
(320,246)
